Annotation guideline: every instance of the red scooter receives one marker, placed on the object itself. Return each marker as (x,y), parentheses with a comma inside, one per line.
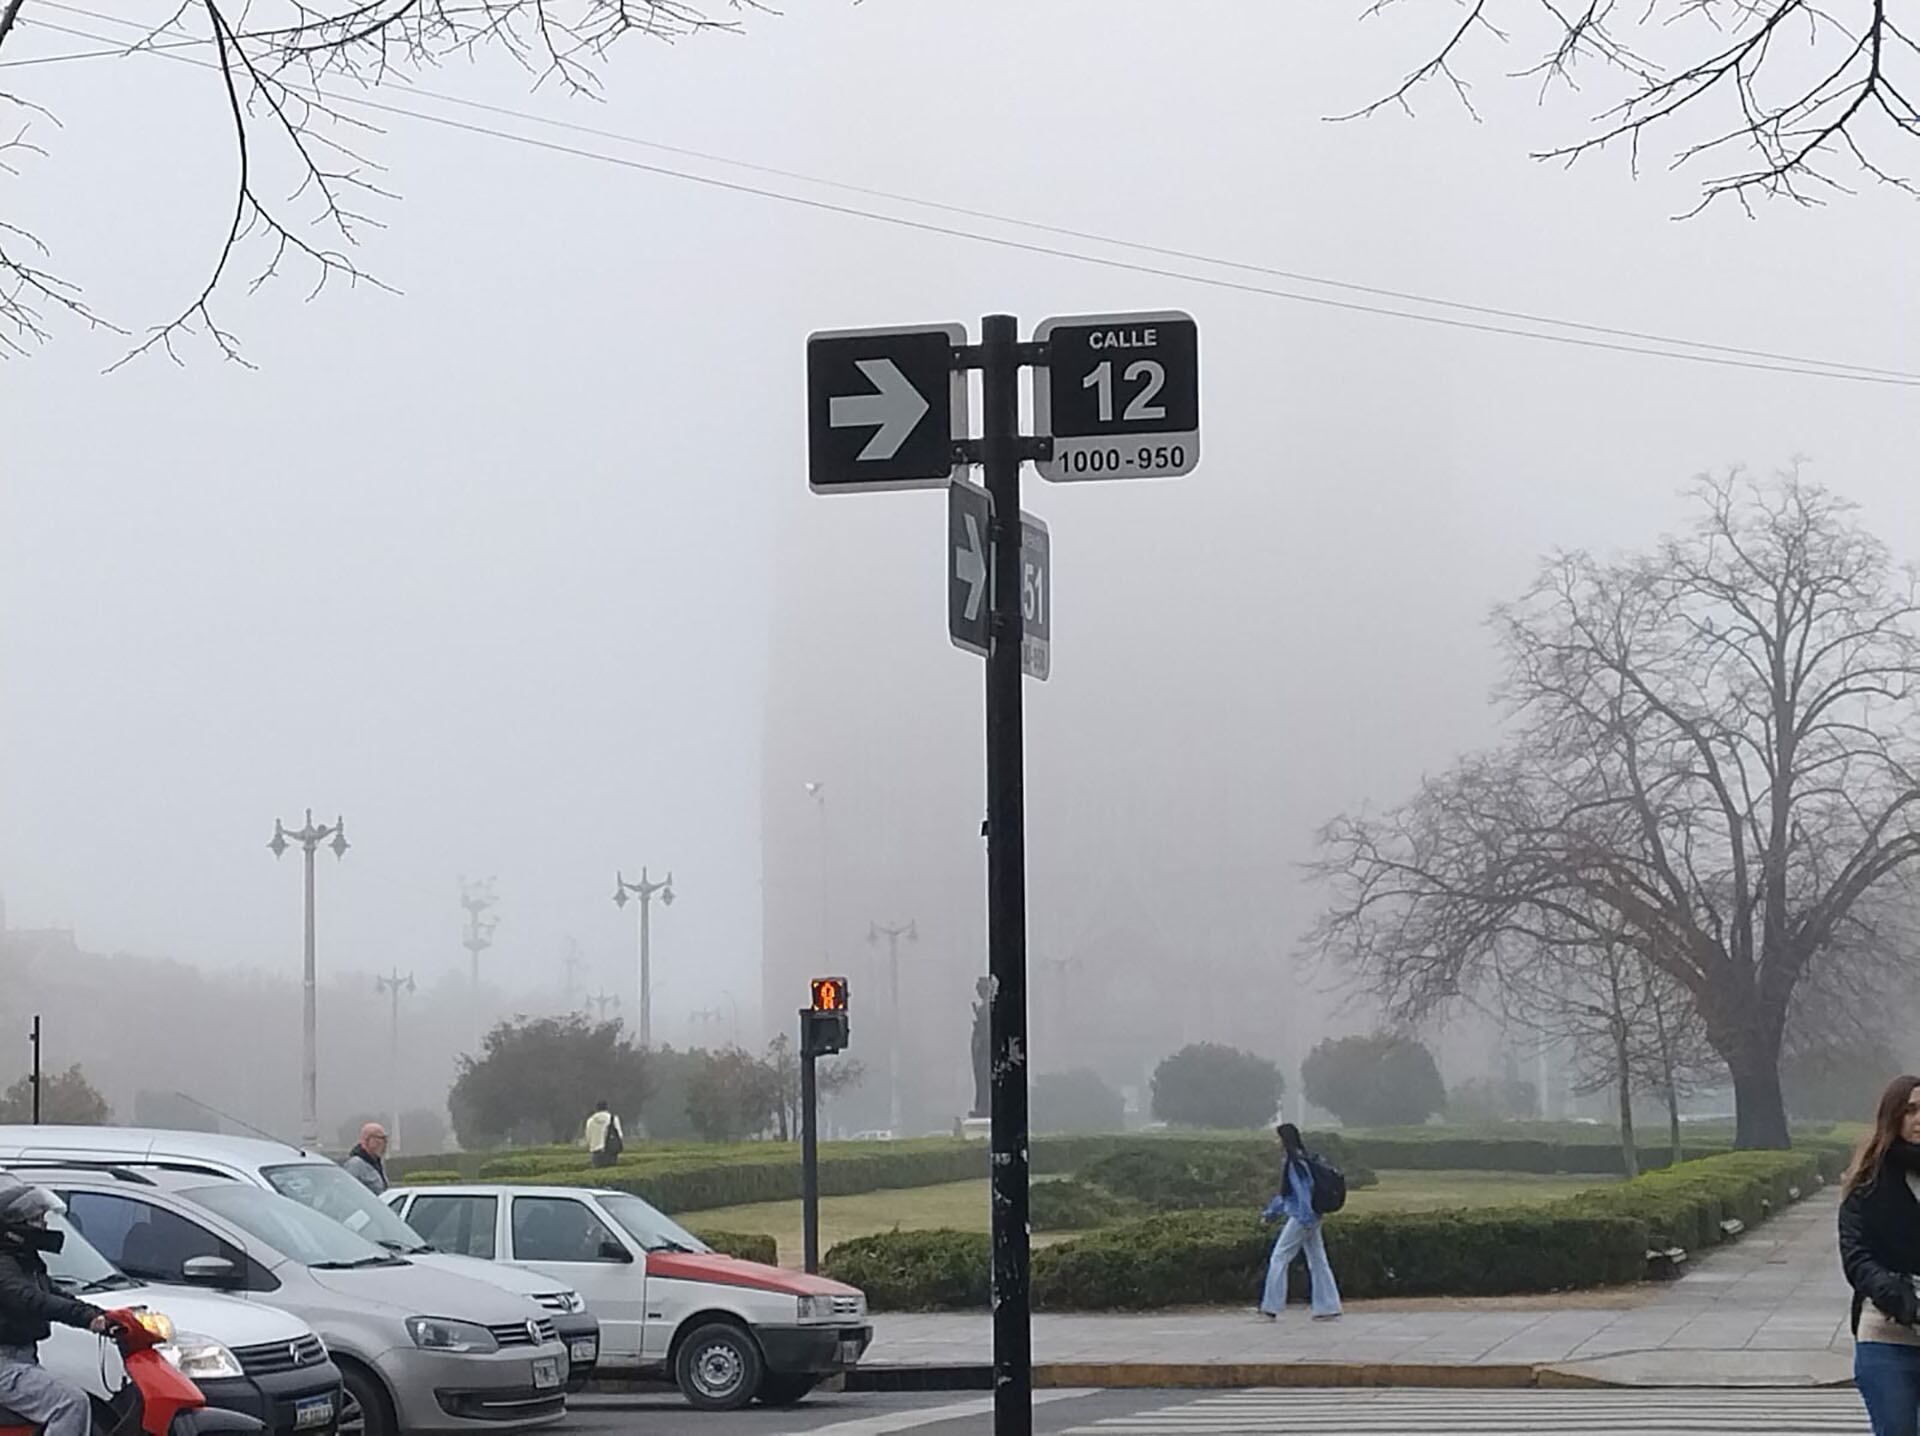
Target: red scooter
(157,1400)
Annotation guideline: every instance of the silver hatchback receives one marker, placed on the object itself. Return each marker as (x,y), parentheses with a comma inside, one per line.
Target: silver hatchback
(418,1350)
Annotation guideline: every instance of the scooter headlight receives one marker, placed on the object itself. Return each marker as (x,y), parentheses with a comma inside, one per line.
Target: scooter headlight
(200,1358)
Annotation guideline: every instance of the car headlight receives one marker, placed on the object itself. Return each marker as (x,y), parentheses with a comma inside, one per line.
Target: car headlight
(576,1303)
(816,1308)
(436,1333)
(200,1358)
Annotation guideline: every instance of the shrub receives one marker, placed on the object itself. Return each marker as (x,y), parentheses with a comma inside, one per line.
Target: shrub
(1370,1081)
(1210,1085)
(1077,1101)
(1597,1238)
(748,1246)
(1074,1206)
(916,1271)
(1196,1174)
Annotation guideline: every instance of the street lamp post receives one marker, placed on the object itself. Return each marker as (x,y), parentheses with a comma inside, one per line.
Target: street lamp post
(478,899)
(600,1001)
(818,792)
(309,837)
(394,985)
(910,930)
(644,890)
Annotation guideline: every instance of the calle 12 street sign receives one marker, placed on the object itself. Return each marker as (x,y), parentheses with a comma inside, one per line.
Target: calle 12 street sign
(1119,395)
(970,580)
(884,407)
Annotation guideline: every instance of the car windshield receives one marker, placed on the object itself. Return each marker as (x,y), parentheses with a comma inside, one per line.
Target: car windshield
(653,1230)
(289,1228)
(333,1192)
(78,1265)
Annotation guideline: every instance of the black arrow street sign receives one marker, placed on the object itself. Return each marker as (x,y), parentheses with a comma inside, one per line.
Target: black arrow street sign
(1119,395)
(884,407)
(970,580)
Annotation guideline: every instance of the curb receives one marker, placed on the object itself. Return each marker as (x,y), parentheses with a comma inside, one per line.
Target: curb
(1510,1376)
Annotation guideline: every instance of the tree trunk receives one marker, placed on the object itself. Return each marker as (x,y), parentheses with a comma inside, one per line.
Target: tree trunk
(1759,1106)
(1673,1125)
(1629,1158)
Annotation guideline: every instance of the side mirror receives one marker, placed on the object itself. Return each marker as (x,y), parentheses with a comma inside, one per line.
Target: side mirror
(614,1251)
(208,1270)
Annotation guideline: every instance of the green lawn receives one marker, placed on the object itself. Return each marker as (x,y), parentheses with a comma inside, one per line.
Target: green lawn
(963,1205)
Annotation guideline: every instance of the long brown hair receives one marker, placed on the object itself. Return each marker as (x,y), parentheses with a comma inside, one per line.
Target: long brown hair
(1887,1121)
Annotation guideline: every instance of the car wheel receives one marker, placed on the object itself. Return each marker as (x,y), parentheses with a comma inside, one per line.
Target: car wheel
(719,1367)
(364,1407)
(784,1389)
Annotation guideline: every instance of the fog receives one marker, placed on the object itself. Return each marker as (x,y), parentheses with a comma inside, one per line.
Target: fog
(517,570)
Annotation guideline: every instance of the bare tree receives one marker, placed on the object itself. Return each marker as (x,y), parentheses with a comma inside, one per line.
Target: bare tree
(1787,87)
(288,72)
(1713,757)
(1628,1026)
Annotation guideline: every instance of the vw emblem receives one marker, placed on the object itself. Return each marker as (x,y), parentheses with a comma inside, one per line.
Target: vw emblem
(293,1352)
(533,1332)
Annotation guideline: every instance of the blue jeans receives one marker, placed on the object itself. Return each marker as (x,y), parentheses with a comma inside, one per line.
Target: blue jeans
(28,1389)
(1888,1377)
(1295,1238)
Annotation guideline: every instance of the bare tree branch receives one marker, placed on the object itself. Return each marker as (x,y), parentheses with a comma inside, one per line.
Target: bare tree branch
(1796,84)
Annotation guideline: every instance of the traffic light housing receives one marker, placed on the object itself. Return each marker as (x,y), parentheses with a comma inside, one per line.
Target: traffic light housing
(824,1026)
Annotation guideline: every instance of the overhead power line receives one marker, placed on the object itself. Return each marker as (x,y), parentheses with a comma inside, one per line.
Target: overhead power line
(1582,335)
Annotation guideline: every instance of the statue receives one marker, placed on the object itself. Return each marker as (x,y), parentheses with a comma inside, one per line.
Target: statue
(982,1048)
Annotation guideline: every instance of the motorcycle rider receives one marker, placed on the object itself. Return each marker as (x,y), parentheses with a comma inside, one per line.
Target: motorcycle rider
(28,1304)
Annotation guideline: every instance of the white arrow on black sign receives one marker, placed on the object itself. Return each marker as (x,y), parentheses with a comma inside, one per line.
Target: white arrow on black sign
(885,407)
(970,567)
(895,406)
(970,580)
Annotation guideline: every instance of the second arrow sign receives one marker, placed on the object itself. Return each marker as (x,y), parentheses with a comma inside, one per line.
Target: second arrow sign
(970,580)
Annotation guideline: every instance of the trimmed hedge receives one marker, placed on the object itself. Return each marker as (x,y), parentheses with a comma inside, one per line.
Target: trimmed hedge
(431,1175)
(748,1246)
(1190,1175)
(1072,1205)
(1597,1238)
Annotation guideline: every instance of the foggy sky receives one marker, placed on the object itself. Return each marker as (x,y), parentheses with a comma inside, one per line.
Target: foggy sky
(497,568)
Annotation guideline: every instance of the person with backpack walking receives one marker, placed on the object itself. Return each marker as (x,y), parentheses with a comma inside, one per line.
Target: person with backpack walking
(1310,1188)
(604,1140)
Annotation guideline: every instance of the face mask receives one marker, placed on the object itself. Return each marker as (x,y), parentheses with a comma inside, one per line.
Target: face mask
(41,1239)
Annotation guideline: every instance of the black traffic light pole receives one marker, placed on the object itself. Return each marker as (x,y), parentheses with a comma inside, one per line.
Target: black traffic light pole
(35,1078)
(809,1151)
(1001,453)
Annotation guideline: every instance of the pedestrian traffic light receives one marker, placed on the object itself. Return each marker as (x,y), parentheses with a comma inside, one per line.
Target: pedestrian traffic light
(824,1024)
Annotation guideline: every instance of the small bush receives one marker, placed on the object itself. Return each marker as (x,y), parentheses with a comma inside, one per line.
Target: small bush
(916,1271)
(1194,1175)
(748,1246)
(1075,1206)
(1207,1084)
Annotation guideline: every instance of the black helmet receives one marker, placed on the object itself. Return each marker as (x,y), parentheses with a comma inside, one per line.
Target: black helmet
(24,1211)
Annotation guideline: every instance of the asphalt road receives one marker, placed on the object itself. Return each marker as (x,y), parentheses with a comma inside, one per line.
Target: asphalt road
(1263,1413)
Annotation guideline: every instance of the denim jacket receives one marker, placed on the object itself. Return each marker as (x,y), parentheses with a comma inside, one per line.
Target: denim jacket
(1296,1202)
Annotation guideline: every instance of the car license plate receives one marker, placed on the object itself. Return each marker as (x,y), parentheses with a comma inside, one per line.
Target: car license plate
(584,1353)
(314,1411)
(546,1374)
(849,1352)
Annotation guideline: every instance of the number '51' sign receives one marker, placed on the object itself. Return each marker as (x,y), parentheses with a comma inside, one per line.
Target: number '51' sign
(1119,395)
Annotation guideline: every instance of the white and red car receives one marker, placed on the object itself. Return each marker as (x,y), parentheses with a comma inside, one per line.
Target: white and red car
(725,1331)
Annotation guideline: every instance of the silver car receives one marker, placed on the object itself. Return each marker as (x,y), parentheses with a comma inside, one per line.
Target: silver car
(418,1350)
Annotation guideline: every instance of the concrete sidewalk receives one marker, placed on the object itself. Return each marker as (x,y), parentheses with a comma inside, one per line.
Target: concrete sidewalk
(1771,1309)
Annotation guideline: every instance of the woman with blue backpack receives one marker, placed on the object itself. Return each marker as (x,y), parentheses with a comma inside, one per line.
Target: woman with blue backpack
(1298,1172)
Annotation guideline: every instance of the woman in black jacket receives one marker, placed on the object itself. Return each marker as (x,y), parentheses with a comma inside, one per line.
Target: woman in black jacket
(1880,1251)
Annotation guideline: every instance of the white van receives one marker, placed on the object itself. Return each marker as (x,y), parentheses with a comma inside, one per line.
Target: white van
(244,1356)
(313,1181)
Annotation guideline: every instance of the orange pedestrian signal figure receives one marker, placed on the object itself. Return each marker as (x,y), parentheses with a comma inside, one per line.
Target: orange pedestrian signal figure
(829,994)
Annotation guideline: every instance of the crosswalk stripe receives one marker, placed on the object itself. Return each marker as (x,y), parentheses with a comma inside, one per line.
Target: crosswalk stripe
(1649,1412)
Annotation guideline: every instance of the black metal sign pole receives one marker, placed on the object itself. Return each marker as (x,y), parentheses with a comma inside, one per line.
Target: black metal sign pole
(36,1069)
(1001,453)
(809,1152)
